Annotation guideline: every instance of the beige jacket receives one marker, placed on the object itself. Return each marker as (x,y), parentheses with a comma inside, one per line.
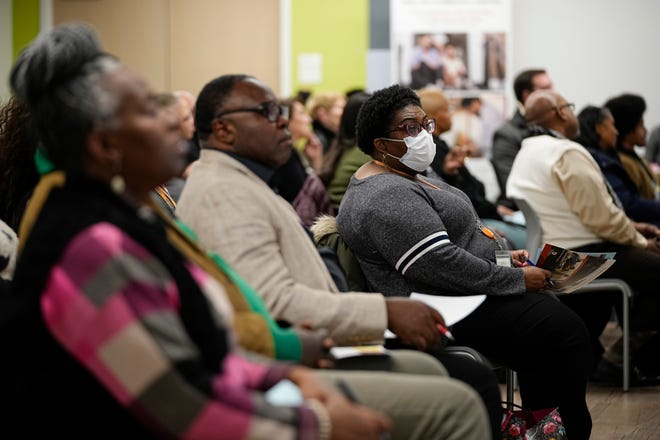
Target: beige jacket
(564,185)
(237,215)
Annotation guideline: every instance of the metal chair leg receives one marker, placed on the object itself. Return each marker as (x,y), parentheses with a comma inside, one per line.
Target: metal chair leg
(510,387)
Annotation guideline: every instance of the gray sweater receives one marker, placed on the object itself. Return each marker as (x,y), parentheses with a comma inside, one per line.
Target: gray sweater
(409,237)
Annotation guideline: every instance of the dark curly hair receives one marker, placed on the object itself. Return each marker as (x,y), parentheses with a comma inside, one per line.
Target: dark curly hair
(18,174)
(211,98)
(378,111)
(589,117)
(627,110)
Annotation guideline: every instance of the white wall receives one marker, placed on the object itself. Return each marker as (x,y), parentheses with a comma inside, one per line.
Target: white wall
(5,48)
(593,49)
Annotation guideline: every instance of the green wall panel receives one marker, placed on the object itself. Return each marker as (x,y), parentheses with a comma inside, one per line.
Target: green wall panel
(339,31)
(25,21)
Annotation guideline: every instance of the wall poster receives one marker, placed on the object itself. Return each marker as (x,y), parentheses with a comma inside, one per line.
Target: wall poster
(460,46)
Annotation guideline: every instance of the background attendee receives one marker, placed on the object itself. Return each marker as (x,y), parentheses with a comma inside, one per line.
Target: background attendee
(184,106)
(303,137)
(296,181)
(507,138)
(410,234)
(344,157)
(466,127)
(598,134)
(628,113)
(652,153)
(326,108)
(564,185)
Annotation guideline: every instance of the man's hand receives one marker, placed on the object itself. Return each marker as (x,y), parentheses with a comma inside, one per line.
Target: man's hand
(454,160)
(653,244)
(316,346)
(413,322)
(647,230)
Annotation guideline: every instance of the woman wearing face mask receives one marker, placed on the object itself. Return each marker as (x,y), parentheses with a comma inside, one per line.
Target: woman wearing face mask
(413,234)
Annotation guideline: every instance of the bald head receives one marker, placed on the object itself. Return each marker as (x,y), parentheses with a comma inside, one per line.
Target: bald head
(539,104)
(548,109)
(435,106)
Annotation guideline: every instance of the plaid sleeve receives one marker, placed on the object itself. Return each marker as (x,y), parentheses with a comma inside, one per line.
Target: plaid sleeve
(113,306)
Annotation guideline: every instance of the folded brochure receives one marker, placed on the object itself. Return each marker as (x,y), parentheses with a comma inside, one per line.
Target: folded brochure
(572,270)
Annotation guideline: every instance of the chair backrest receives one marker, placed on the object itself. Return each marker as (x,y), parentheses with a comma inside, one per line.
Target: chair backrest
(326,234)
(532,225)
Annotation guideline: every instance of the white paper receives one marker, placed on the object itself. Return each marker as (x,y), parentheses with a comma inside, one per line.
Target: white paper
(452,308)
(310,68)
(359,350)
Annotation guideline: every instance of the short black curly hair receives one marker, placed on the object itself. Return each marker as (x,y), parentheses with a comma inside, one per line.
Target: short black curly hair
(378,111)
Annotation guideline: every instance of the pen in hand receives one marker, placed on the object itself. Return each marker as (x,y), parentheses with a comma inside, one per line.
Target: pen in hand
(547,280)
(445,332)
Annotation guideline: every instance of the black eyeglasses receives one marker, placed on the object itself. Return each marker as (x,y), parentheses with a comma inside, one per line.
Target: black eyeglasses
(413,128)
(270,110)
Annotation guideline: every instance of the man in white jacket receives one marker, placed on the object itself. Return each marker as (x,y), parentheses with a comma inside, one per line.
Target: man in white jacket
(577,210)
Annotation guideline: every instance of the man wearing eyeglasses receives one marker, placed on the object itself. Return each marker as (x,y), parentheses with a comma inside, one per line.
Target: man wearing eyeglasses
(228,203)
(507,138)
(566,188)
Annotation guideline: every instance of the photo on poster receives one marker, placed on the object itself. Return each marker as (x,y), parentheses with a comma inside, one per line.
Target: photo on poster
(443,60)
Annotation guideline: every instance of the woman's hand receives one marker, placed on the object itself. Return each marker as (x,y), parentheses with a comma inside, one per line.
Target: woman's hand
(535,278)
(520,257)
(352,421)
(311,387)
(348,420)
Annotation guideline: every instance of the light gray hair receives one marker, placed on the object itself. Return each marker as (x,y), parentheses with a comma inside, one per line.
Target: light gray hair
(61,77)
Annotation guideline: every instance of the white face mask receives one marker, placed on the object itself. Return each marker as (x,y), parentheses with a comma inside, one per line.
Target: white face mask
(421,151)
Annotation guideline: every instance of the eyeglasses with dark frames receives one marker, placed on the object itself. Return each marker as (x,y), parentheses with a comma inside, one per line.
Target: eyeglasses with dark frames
(413,128)
(270,110)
